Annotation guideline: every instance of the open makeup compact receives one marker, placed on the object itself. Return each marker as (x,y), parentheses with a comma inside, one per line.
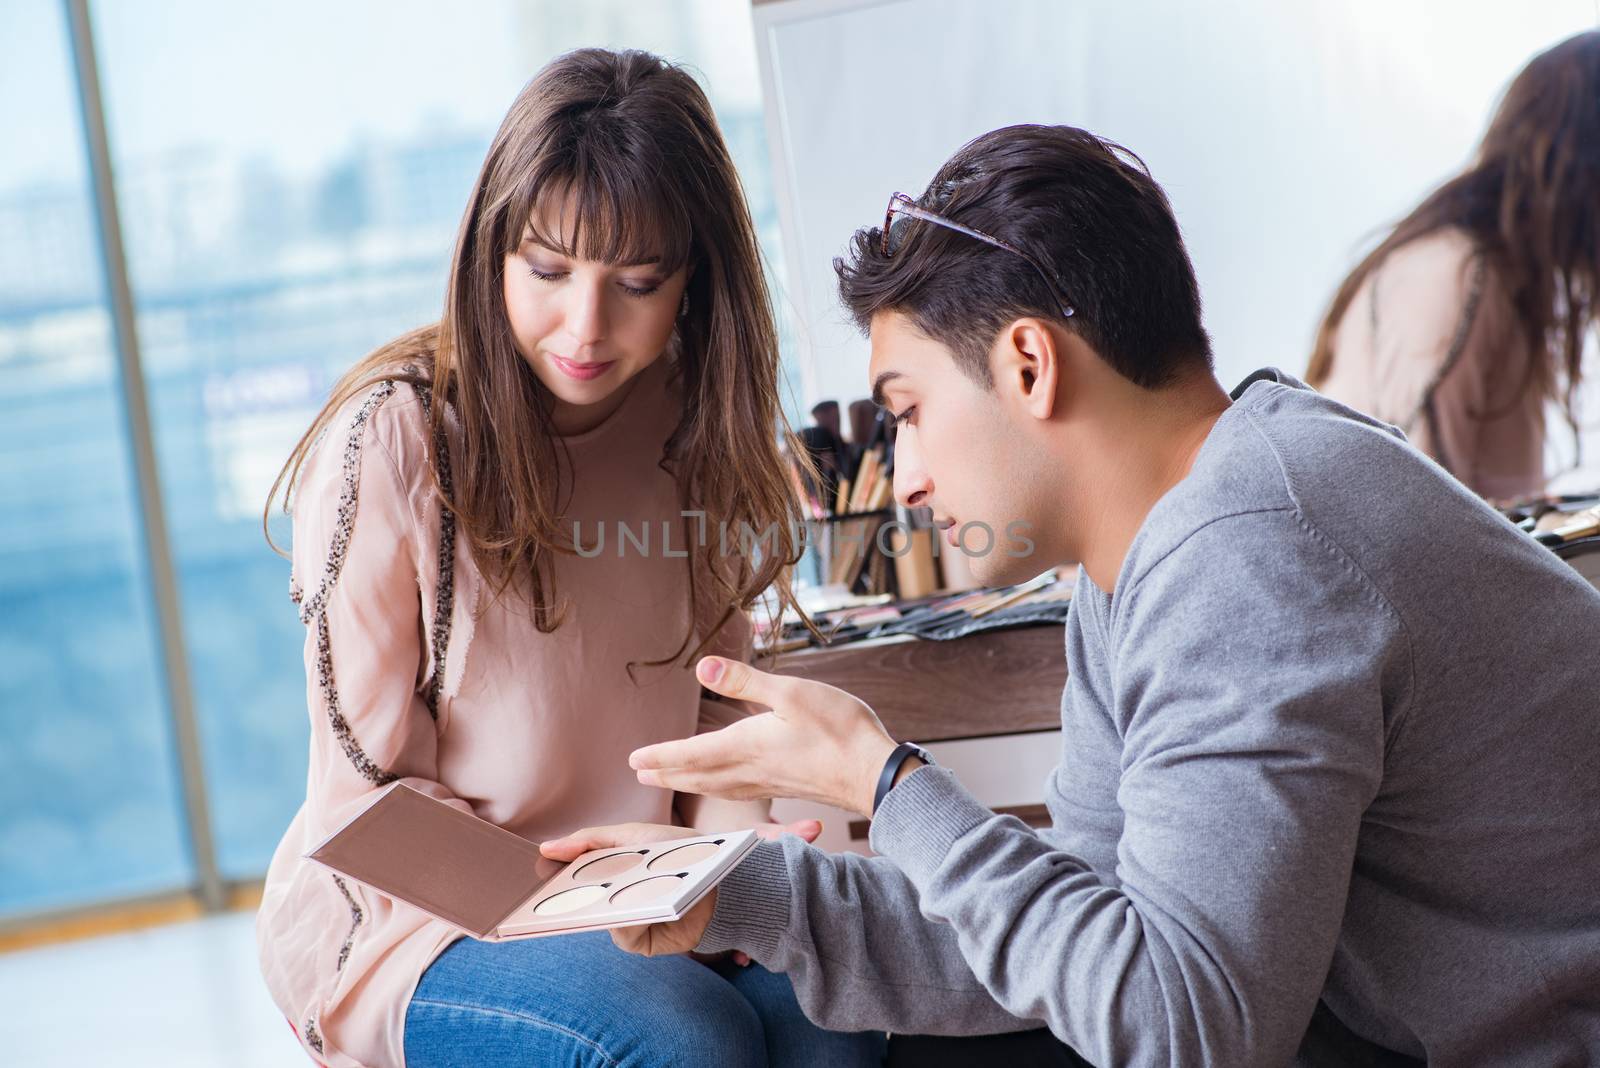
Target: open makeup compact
(494,885)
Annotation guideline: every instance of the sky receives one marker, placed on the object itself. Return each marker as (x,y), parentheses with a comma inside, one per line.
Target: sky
(296,81)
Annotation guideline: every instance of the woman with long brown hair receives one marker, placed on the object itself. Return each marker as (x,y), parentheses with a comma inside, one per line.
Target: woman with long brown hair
(1470,317)
(507,551)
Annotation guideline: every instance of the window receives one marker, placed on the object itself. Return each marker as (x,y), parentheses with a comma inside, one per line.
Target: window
(89,799)
(290,179)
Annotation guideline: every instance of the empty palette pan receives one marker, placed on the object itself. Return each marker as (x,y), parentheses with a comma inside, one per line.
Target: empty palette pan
(647,890)
(685,857)
(607,867)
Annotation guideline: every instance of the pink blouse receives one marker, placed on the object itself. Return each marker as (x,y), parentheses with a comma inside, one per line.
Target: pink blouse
(1431,344)
(417,673)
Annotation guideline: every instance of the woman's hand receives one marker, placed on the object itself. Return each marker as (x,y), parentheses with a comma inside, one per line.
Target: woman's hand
(578,843)
(817,744)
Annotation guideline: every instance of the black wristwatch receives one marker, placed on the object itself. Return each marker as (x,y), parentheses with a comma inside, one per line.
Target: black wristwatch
(891,768)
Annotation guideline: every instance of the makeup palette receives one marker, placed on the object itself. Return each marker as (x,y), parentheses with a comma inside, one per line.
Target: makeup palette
(494,885)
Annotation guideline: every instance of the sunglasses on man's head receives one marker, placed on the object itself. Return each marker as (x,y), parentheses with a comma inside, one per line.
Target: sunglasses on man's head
(894,230)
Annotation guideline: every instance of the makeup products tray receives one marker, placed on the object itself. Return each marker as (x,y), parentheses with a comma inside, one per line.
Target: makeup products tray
(494,885)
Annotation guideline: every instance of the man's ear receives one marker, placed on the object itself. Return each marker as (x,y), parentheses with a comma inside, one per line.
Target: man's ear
(1027,366)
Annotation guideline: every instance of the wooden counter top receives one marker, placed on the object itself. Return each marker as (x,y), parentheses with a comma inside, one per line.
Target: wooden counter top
(1000,682)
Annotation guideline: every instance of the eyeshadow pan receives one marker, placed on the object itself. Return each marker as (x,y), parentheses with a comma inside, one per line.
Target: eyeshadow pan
(647,890)
(603,868)
(570,900)
(684,857)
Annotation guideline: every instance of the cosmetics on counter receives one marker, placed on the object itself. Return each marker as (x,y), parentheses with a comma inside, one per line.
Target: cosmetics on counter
(1584,524)
(843,617)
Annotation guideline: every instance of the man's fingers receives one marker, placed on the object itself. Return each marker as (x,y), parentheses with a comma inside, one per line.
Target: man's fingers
(735,678)
(713,750)
(730,785)
(807,830)
(725,763)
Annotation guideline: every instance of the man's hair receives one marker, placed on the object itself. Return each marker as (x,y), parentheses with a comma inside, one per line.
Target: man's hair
(1086,210)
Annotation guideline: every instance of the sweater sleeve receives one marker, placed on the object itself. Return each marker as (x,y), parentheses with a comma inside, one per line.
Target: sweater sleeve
(1252,744)
(847,932)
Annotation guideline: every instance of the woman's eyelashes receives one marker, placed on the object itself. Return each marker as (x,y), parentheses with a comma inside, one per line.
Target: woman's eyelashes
(900,419)
(632,287)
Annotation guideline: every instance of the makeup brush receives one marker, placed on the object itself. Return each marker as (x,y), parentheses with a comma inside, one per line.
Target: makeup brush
(1583,524)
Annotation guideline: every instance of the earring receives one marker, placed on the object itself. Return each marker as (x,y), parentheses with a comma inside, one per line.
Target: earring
(683,309)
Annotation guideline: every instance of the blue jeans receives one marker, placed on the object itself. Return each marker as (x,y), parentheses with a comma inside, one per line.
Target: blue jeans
(578,1000)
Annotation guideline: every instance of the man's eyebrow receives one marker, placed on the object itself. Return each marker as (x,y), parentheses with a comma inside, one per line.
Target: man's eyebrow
(881,381)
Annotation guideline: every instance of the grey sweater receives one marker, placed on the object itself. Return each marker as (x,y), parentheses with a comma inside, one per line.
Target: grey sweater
(1331,746)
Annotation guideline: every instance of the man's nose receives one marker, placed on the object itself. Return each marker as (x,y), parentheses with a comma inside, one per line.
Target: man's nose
(912,486)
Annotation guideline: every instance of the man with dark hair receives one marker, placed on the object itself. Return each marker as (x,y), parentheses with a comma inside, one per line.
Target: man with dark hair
(1328,788)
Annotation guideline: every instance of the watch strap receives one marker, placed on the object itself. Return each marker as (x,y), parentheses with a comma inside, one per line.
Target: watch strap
(891,767)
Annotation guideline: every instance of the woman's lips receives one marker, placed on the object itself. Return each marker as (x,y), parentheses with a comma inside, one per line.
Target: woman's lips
(583,372)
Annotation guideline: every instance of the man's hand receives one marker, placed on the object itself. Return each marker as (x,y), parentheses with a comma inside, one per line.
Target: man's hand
(817,744)
(658,939)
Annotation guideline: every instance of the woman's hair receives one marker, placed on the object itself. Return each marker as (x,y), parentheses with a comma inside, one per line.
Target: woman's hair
(1531,204)
(630,142)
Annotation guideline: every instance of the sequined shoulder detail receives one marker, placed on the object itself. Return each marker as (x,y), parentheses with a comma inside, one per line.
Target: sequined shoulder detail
(345,523)
(444,596)
(346,737)
(313,1036)
(314,609)
(356,916)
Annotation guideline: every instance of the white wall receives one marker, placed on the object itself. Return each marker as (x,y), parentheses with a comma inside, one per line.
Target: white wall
(1286,134)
